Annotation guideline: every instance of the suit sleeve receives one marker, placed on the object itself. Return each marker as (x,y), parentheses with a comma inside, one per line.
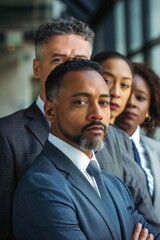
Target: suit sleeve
(7,186)
(121,163)
(126,196)
(49,202)
(136,182)
(135,179)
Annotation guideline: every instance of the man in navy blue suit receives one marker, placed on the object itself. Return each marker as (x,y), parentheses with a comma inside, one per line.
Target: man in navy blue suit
(58,198)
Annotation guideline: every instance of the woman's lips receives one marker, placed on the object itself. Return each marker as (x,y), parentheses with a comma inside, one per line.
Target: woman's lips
(114,106)
(130,115)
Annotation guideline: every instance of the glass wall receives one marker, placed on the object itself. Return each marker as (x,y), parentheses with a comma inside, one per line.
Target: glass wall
(135,25)
(120,39)
(137,32)
(154,6)
(132,28)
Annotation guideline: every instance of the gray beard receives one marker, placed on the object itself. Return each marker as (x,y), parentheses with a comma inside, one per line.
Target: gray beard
(94,144)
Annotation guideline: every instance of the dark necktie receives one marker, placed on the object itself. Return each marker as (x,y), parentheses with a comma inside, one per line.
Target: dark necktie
(94,171)
(137,159)
(136,154)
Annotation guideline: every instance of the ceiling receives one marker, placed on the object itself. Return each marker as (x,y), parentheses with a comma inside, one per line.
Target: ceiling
(89,11)
(23,15)
(19,19)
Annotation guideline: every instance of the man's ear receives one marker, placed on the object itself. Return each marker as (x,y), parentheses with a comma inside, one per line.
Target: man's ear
(36,67)
(49,109)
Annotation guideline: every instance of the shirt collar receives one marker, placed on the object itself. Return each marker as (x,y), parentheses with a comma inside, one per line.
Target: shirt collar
(75,155)
(136,136)
(40,104)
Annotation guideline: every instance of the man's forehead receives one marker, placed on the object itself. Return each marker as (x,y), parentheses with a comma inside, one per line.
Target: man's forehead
(88,76)
(70,44)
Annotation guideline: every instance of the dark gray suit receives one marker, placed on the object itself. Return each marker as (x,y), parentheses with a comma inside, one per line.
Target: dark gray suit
(22,136)
(152,148)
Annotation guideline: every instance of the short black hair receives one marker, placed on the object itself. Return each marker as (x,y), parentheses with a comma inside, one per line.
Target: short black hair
(62,27)
(55,78)
(105,55)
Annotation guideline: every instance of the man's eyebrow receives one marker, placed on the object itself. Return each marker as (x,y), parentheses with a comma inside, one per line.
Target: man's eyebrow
(65,55)
(106,95)
(81,94)
(81,56)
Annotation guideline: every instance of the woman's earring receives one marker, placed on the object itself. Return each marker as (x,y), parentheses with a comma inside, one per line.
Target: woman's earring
(148,117)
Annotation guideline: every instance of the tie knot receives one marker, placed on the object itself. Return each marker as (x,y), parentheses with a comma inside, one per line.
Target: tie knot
(93,168)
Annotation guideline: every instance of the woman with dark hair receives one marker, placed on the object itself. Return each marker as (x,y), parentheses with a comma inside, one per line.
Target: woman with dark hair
(150,117)
(143,109)
(118,74)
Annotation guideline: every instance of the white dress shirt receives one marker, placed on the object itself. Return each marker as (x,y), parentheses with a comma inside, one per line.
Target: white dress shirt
(40,104)
(76,156)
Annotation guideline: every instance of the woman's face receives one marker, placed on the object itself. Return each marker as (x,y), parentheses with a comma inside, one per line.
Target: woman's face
(118,76)
(137,106)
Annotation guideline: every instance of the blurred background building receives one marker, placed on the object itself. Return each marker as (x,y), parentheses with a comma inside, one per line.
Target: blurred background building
(130,27)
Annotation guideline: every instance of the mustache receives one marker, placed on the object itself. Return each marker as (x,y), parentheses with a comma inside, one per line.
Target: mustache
(97,123)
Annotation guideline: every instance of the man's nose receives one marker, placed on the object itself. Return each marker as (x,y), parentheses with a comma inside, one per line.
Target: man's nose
(95,113)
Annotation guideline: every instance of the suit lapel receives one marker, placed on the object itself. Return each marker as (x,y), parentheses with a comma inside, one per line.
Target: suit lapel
(78,180)
(82,184)
(37,123)
(121,210)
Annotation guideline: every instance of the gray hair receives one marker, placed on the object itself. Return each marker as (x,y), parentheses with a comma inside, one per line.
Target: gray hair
(61,27)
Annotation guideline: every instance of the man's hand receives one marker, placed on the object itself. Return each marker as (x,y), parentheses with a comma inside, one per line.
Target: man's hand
(141,234)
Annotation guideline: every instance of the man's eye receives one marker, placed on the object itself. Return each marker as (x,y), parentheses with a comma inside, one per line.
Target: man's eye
(80,102)
(58,60)
(105,103)
(79,57)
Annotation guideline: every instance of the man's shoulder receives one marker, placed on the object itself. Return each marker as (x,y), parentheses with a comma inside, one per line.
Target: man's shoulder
(17,117)
(14,116)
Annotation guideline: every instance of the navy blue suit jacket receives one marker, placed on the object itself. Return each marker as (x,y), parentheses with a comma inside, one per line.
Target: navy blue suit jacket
(55,201)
